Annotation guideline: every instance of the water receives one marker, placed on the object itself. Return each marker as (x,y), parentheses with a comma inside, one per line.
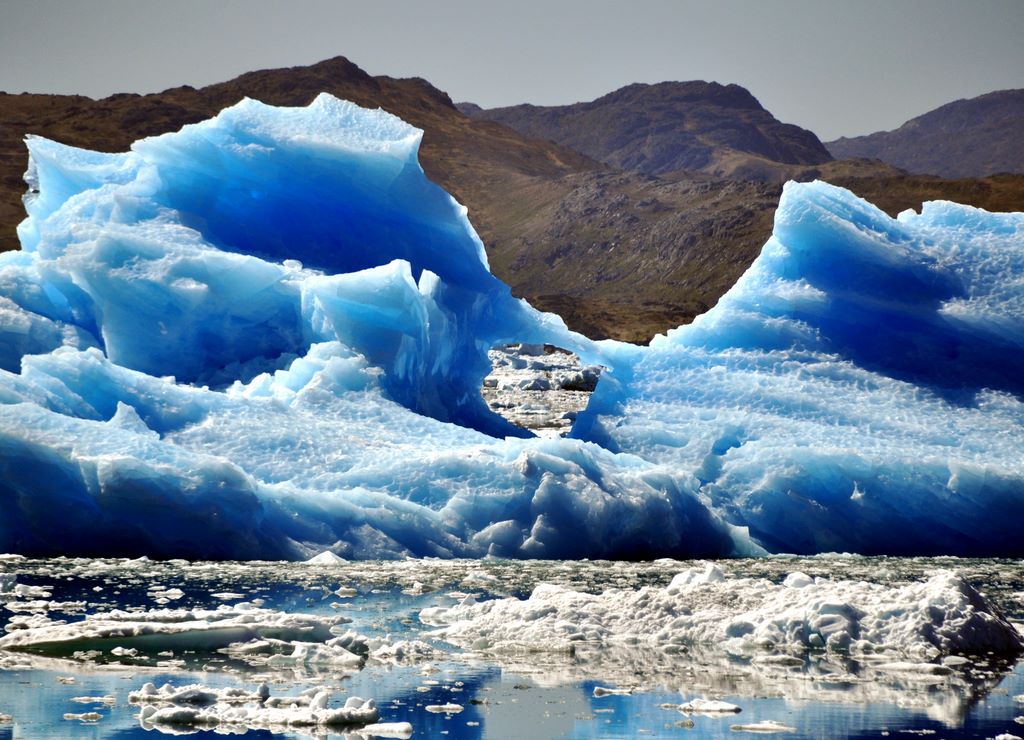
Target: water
(531,695)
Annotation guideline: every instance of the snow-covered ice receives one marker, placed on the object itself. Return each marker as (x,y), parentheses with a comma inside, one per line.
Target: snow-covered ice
(918,622)
(272,329)
(449,708)
(708,706)
(184,629)
(768,726)
(235,708)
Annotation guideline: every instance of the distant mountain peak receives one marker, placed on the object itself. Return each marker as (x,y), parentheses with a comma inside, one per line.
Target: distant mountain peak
(972,137)
(468,109)
(669,126)
(692,91)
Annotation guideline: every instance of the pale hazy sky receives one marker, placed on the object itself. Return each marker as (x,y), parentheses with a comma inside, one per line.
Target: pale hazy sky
(838,68)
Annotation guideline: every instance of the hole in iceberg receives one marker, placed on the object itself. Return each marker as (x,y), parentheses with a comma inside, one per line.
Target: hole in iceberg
(539,387)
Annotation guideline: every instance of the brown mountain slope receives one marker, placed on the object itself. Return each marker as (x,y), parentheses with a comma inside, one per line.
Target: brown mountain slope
(666,127)
(965,138)
(618,254)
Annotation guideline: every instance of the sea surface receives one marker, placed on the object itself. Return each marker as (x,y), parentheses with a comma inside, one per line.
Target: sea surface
(528,695)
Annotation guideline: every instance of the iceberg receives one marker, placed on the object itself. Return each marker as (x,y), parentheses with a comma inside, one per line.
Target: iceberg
(264,336)
(858,389)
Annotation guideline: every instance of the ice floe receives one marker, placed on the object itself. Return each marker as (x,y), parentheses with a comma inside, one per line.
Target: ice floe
(159,629)
(767,726)
(235,708)
(708,706)
(745,616)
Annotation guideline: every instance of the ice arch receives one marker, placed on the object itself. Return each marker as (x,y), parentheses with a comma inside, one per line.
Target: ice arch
(264,336)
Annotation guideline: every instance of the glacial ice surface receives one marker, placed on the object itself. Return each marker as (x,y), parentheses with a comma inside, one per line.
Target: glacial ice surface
(264,336)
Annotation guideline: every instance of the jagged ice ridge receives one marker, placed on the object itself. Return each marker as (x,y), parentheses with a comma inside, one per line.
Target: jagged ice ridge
(264,336)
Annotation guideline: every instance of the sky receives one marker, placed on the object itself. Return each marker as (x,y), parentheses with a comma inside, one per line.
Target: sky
(837,68)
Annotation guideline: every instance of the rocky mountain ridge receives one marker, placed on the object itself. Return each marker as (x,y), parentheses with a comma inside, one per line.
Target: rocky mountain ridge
(966,138)
(667,127)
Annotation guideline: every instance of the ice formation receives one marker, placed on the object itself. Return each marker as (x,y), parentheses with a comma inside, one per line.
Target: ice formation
(264,336)
(234,710)
(858,390)
(708,706)
(182,629)
(902,629)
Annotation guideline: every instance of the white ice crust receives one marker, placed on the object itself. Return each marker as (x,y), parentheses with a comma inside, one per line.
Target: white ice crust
(906,626)
(235,708)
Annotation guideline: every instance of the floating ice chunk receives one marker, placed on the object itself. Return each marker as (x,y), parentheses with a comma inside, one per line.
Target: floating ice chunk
(108,699)
(925,669)
(166,594)
(479,579)
(385,729)
(11,590)
(85,717)
(194,694)
(746,616)
(767,726)
(404,651)
(600,691)
(829,401)
(708,706)
(160,629)
(326,558)
(199,706)
(417,589)
(317,654)
(449,708)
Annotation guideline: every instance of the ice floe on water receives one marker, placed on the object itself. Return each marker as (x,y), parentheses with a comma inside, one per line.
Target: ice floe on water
(183,629)
(748,617)
(233,709)
(767,726)
(708,706)
(272,329)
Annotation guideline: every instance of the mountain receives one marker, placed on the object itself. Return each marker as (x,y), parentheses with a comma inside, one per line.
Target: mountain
(655,129)
(618,254)
(965,138)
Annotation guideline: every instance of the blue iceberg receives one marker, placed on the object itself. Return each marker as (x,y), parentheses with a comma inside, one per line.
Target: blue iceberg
(264,336)
(858,389)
